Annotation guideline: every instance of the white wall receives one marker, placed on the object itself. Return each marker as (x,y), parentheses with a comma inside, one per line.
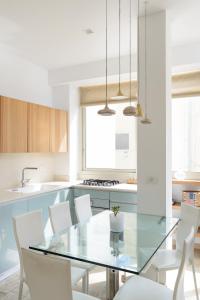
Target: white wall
(60,100)
(67,97)
(60,95)
(23,80)
(183,57)
(11,166)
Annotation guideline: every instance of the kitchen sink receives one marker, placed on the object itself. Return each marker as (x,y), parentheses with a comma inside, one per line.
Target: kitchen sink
(33,188)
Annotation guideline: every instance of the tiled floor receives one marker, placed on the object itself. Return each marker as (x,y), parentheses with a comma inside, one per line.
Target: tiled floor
(9,287)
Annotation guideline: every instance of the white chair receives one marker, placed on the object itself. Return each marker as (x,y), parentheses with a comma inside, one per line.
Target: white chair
(49,278)
(167,259)
(28,230)
(60,218)
(140,288)
(83,208)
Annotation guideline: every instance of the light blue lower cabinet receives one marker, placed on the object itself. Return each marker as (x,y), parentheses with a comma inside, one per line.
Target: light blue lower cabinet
(125,200)
(8,249)
(125,207)
(96,194)
(105,199)
(123,197)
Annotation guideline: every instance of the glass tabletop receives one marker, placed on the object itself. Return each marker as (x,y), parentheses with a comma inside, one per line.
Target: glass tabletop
(93,241)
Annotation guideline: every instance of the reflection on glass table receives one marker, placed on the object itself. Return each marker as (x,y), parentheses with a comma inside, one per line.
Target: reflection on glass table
(93,242)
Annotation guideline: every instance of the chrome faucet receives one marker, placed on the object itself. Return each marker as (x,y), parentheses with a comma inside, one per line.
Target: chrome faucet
(24,181)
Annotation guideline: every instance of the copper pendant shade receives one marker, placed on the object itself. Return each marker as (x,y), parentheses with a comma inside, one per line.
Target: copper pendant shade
(106,111)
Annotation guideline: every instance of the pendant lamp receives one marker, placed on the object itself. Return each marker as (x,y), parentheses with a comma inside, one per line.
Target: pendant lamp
(106,111)
(145,120)
(130,110)
(139,112)
(120,95)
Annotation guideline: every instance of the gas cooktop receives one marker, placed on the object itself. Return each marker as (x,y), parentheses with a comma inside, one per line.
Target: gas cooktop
(100,182)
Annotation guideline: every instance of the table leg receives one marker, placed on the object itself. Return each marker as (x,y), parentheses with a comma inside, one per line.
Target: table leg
(112,283)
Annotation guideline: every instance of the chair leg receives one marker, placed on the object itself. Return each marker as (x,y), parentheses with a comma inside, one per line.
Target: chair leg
(20,289)
(157,276)
(85,283)
(195,281)
(123,277)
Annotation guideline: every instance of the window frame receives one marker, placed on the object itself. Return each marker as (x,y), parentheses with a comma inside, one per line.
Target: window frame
(83,156)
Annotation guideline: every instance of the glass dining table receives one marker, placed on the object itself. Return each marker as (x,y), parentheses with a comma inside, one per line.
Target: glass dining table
(93,242)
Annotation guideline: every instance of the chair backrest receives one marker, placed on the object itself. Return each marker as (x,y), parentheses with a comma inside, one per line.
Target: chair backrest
(83,208)
(190,218)
(60,216)
(47,277)
(186,255)
(28,230)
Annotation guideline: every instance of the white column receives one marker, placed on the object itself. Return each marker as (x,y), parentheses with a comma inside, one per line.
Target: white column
(154,141)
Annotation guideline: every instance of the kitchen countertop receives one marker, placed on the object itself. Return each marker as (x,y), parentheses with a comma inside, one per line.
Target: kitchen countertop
(7,196)
(121,187)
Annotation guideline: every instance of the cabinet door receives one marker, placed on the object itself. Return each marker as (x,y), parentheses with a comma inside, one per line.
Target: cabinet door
(38,128)
(125,207)
(94,194)
(8,249)
(13,125)
(58,130)
(123,197)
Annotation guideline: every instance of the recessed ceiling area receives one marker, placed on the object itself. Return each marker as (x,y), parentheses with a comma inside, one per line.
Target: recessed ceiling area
(55,34)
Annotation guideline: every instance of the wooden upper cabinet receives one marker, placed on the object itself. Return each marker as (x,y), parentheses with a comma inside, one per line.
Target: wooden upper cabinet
(58,131)
(38,128)
(27,127)
(13,125)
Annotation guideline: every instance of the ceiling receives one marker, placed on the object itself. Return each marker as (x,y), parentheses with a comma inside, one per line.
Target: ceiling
(52,33)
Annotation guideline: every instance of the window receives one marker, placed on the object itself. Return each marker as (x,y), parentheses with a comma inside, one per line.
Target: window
(186,134)
(110,142)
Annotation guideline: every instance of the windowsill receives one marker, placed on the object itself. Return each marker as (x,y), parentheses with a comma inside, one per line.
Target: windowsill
(190,175)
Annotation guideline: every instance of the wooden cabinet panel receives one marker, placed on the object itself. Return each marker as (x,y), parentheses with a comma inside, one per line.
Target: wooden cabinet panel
(13,125)
(27,127)
(58,132)
(38,128)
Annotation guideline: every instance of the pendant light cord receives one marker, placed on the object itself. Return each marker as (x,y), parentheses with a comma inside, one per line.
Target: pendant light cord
(138,54)
(119,45)
(130,50)
(145,63)
(106,53)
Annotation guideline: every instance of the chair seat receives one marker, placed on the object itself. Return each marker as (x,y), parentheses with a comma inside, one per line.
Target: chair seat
(139,288)
(82,265)
(76,274)
(81,296)
(166,259)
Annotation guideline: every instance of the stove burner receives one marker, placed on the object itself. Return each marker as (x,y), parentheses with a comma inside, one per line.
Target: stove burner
(100,182)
